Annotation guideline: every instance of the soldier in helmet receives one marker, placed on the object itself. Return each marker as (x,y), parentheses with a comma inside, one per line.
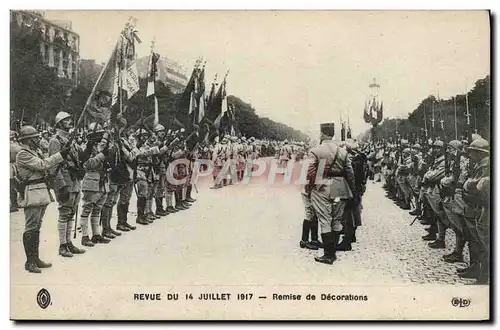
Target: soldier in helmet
(432,179)
(160,169)
(95,187)
(453,204)
(14,150)
(218,160)
(329,198)
(67,180)
(476,195)
(285,154)
(143,175)
(32,173)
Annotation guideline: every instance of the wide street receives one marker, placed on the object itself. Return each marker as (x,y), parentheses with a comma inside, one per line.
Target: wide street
(241,234)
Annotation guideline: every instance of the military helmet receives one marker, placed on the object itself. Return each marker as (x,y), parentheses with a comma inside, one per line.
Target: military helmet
(406,150)
(480,145)
(243,138)
(476,136)
(455,144)
(417,146)
(28,132)
(159,128)
(141,132)
(404,142)
(61,115)
(438,144)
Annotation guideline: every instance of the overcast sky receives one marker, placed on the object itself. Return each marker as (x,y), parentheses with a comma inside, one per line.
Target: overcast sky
(304,68)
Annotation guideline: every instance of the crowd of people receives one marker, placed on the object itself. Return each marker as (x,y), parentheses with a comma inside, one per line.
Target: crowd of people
(103,168)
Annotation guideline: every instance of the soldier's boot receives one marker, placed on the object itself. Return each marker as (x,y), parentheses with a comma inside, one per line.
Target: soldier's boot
(71,248)
(30,264)
(96,239)
(314,234)
(353,238)
(64,251)
(437,244)
(87,242)
(188,194)
(122,218)
(416,211)
(36,248)
(124,208)
(453,257)
(472,271)
(62,228)
(171,209)
(105,224)
(304,242)
(150,210)
(178,201)
(159,207)
(330,244)
(114,232)
(141,217)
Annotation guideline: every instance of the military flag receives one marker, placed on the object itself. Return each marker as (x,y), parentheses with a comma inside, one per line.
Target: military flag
(150,90)
(118,76)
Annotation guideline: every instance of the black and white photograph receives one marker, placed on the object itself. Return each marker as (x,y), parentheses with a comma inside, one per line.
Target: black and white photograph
(250,165)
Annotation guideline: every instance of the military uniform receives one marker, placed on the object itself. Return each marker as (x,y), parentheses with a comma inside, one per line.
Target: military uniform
(32,172)
(432,178)
(218,160)
(329,199)
(95,187)
(67,185)
(476,194)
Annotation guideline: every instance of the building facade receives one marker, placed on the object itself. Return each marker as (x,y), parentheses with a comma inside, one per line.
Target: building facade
(170,72)
(59,45)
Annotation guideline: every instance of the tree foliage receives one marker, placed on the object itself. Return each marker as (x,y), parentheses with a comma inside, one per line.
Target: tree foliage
(479,101)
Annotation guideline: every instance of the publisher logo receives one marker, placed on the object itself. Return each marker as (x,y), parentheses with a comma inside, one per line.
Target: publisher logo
(460,302)
(43,298)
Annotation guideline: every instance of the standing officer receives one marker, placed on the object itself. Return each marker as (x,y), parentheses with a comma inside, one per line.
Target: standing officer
(333,164)
(32,172)
(67,182)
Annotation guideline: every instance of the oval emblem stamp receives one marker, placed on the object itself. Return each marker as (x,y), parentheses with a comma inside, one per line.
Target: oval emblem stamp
(43,298)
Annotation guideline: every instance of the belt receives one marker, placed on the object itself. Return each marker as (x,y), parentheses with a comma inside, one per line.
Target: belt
(35,181)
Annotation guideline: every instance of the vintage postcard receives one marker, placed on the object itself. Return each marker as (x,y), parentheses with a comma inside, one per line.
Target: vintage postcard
(250,165)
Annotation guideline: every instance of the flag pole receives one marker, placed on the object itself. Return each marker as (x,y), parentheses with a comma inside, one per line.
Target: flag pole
(456,127)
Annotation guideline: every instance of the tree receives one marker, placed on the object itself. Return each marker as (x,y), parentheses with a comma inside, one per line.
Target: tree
(34,87)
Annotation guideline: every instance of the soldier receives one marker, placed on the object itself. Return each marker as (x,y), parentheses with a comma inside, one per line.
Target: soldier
(285,154)
(476,195)
(14,150)
(218,160)
(143,176)
(402,173)
(453,204)
(95,187)
(160,169)
(415,178)
(67,182)
(432,179)
(120,190)
(329,199)
(32,172)
(310,223)
(352,211)
(44,142)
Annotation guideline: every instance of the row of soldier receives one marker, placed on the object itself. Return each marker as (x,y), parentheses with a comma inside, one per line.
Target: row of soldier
(449,186)
(102,171)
